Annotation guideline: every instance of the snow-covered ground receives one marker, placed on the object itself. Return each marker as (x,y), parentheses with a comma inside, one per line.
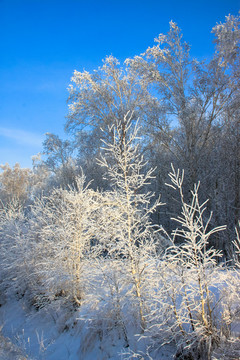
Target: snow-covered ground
(37,334)
(63,334)
(42,335)
(9,351)
(31,334)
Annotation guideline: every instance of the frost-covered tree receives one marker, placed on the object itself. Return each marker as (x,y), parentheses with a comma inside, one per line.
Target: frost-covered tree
(58,151)
(100,99)
(227,38)
(41,177)
(187,308)
(16,262)
(59,159)
(14,183)
(191,94)
(62,228)
(126,228)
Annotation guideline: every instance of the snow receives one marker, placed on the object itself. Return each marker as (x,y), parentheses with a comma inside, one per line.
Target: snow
(9,351)
(60,332)
(39,335)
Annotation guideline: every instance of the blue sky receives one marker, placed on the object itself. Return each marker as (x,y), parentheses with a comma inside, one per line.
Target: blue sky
(44,41)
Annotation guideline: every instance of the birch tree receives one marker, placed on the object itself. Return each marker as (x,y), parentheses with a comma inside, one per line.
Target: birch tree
(15,183)
(127,231)
(191,94)
(62,228)
(188,307)
(17,258)
(102,98)
(59,159)
(227,39)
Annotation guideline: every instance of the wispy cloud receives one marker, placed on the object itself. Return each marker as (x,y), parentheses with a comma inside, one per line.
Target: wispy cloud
(22,137)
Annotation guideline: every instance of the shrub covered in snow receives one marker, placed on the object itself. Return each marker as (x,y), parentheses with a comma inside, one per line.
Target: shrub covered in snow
(94,260)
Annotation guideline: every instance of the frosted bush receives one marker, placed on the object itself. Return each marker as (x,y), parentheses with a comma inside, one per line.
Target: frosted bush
(63,230)
(16,261)
(186,307)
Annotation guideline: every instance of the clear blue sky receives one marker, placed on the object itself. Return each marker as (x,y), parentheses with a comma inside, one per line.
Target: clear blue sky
(44,41)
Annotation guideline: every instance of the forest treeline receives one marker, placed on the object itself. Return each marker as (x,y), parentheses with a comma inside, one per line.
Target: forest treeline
(188,114)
